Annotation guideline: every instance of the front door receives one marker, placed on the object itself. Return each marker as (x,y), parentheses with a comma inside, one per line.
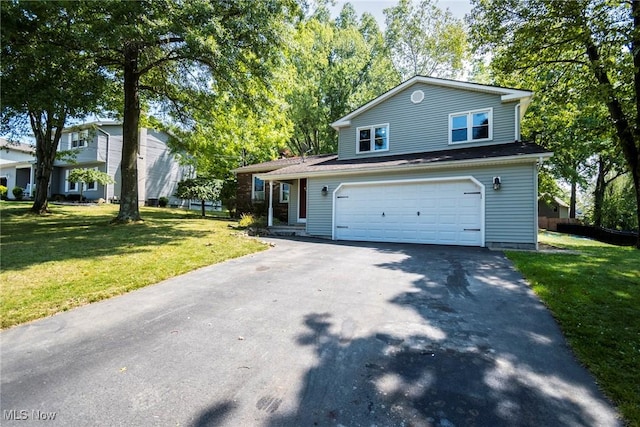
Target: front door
(302,200)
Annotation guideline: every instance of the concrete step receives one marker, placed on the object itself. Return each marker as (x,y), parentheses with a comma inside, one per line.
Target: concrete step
(287,230)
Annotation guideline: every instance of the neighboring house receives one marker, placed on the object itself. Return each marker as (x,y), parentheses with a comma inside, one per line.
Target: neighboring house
(430,161)
(16,161)
(551,212)
(99,145)
(552,207)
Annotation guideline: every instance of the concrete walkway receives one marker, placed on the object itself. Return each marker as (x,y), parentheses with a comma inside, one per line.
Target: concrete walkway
(308,333)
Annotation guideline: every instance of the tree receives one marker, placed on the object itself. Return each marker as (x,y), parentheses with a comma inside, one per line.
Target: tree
(335,66)
(85,176)
(201,188)
(425,40)
(618,211)
(44,84)
(597,40)
(174,54)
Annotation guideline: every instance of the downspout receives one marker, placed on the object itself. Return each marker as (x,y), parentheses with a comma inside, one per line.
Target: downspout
(106,164)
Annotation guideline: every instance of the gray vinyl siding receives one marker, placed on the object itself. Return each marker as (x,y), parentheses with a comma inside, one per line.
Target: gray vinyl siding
(510,213)
(162,171)
(158,169)
(425,126)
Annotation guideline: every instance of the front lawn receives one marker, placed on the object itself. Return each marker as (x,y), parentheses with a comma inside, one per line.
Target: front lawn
(595,297)
(75,256)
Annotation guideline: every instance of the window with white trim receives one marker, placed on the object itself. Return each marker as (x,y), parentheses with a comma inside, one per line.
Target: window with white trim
(471,126)
(257,188)
(79,139)
(70,186)
(285,190)
(91,186)
(372,138)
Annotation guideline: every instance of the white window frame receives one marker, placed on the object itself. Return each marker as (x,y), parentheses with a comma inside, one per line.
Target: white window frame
(81,141)
(373,137)
(253,189)
(469,115)
(68,184)
(91,186)
(282,200)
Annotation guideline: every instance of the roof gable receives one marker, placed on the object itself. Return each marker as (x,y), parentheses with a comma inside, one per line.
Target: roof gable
(506,94)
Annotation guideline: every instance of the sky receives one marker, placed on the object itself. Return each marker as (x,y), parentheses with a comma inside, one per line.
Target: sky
(459,8)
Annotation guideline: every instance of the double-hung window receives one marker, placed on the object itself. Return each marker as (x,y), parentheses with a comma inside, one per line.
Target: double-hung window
(79,139)
(285,190)
(373,138)
(71,186)
(257,189)
(471,126)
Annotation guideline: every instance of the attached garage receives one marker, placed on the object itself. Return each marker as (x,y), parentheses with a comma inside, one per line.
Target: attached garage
(435,211)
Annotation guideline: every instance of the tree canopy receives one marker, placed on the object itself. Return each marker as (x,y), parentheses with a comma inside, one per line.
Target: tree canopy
(43,82)
(200,188)
(85,176)
(591,46)
(176,54)
(425,40)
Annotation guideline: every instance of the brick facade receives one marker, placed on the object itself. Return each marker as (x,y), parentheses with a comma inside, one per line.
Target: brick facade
(245,204)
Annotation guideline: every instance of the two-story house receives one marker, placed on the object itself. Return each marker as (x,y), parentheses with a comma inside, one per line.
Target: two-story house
(99,145)
(430,161)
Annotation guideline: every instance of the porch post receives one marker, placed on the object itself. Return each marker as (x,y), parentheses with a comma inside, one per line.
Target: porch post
(32,184)
(270,218)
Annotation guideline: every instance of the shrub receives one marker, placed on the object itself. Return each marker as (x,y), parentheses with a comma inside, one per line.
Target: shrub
(3,192)
(249,220)
(18,193)
(163,202)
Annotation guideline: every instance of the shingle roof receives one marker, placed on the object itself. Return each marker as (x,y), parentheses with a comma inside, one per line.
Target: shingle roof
(17,146)
(277,164)
(331,164)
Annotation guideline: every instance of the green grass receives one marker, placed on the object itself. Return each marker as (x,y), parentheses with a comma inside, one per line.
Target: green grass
(74,256)
(595,297)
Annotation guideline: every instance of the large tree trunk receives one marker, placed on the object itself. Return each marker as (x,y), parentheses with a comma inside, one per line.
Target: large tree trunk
(129,210)
(44,168)
(572,202)
(598,194)
(628,135)
(202,206)
(46,148)
(636,182)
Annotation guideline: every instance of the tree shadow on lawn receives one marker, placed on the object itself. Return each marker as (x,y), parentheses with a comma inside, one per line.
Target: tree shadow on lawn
(486,354)
(77,237)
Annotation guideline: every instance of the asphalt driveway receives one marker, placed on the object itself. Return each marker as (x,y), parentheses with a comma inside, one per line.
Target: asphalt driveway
(308,333)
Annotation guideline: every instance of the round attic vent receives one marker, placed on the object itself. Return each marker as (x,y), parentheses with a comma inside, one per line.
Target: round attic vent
(417,96)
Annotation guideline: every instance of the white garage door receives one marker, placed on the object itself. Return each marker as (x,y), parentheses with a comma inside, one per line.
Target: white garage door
(437,212)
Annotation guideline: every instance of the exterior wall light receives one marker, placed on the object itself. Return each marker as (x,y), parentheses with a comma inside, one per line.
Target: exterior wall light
(325,190)
(497,183)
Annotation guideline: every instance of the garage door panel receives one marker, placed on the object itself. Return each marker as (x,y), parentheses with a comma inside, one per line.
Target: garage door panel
(424,212)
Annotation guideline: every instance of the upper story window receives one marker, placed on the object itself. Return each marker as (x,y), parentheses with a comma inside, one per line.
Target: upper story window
(79,139)
(471,126)
(257,189)
(373,138)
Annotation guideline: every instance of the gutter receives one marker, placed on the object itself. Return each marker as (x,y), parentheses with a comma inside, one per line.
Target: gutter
(524,158)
